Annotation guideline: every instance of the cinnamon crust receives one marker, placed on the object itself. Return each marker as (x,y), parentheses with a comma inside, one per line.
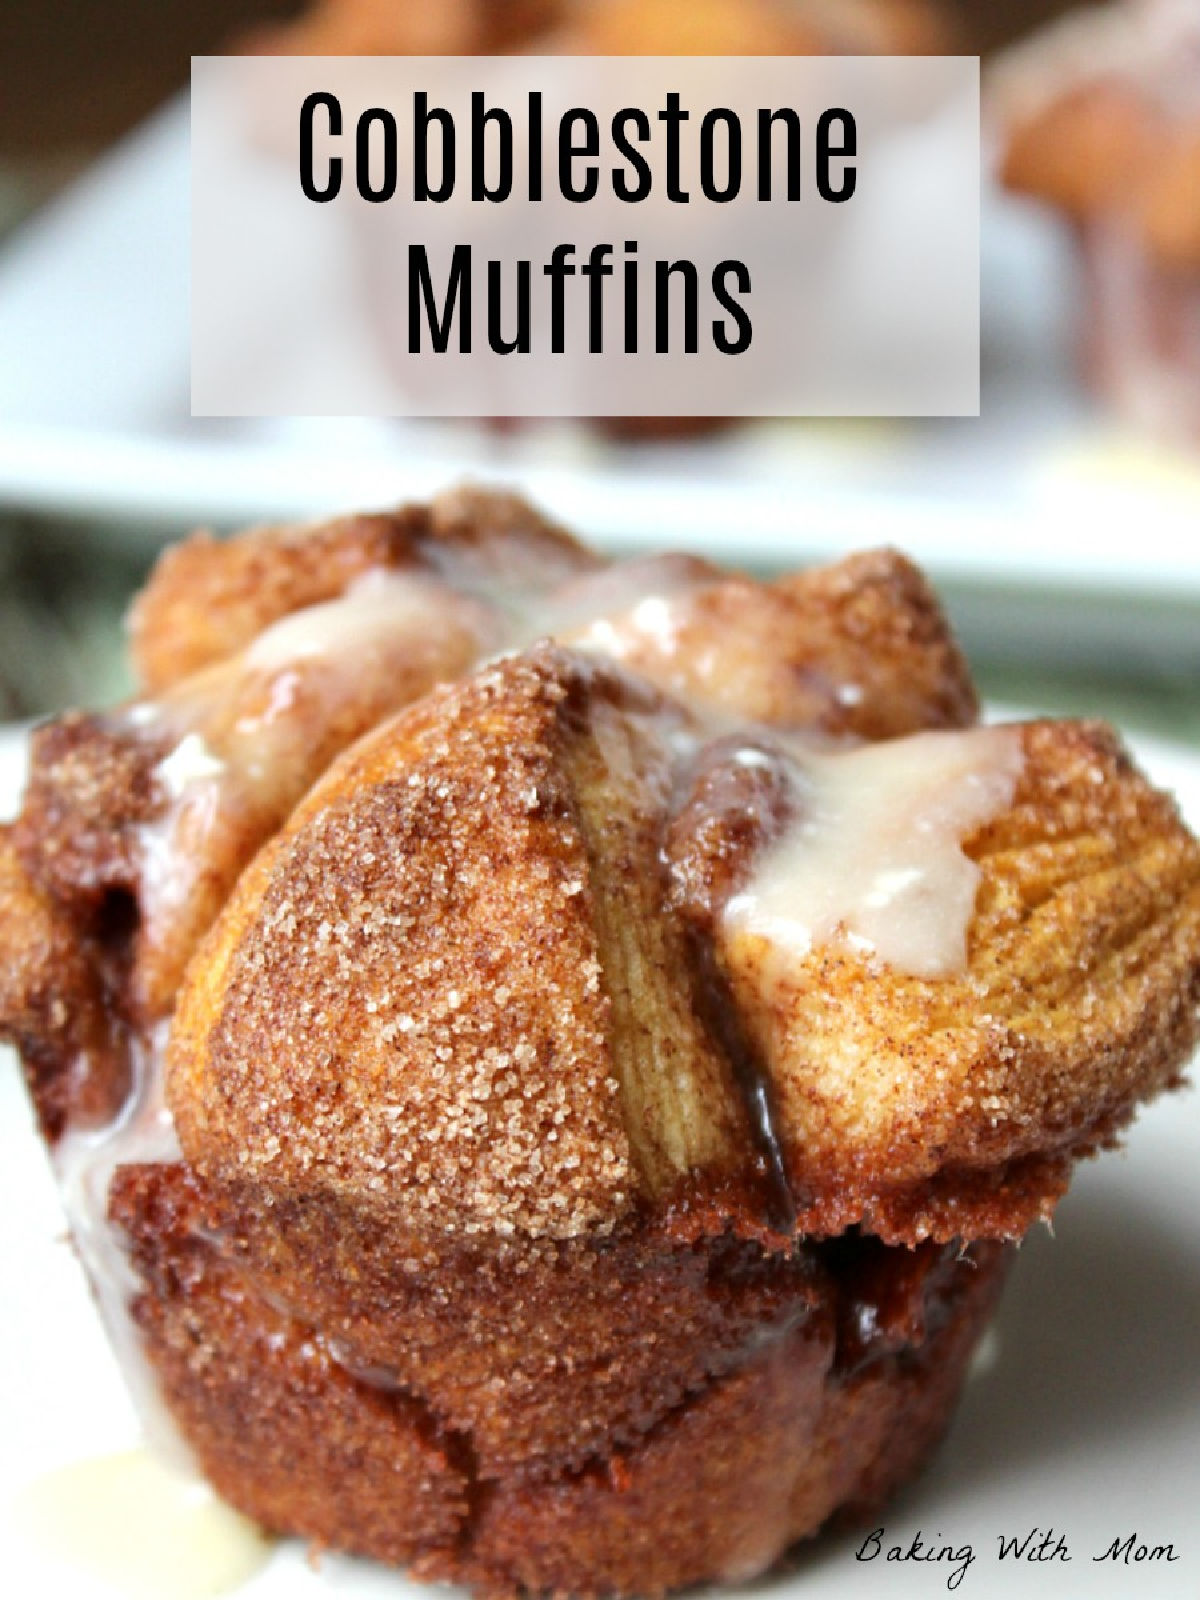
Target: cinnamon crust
(859,648)
(895,1094)
(739,1476)
(796,1417)
(53,1006)
(479,883)
(207,598)
(535,1225)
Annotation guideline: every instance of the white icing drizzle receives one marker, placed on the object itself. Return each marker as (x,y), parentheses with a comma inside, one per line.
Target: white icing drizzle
(323,651)
(189,763)
(359,643)
(146,1530)
(194,783)
(84,1162)
(247,726)
(614,612)
(376,608)
(874,856)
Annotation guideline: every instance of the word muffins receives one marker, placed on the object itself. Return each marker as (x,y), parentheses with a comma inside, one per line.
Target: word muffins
(546,1060)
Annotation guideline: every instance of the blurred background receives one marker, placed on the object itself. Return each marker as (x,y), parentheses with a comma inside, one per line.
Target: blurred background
(1061,524)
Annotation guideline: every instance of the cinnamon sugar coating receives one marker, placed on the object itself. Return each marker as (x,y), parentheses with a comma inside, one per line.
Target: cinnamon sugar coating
(797,1418)
(895,1094)
(537,1226)
(550,1355)
(467,909)
(480,888)
(53,1005)
(403,998)
(100,816)
(282,1430)
(743,1471)
(90,788)
(860,648)
(207,599)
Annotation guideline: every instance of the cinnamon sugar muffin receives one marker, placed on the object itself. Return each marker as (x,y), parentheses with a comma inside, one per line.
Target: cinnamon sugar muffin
(1101,120)
(546,1060)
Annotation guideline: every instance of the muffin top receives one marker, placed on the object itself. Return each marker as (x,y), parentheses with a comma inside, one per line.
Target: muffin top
(491,890)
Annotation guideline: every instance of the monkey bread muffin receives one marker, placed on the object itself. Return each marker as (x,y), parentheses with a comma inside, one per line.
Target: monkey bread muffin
(547,1060)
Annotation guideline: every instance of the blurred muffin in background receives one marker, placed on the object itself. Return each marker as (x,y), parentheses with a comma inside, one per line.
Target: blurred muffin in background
(1099,117)
(754,27)
(615,27)
(405,28)
(611,27)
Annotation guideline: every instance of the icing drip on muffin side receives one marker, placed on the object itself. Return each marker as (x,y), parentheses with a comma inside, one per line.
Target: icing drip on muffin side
(239,738)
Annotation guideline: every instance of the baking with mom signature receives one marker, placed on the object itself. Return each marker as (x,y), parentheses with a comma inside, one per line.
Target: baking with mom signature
(1037,1545)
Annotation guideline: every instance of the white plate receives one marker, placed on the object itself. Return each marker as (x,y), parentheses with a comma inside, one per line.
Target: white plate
(1087,1419)
(94,420)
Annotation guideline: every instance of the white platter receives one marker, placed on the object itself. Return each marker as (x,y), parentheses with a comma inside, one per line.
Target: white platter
(1085,1419)
(94,421)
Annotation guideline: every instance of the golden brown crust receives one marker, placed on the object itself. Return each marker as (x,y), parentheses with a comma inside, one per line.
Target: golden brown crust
(872,625)
(717,1480)
(403,998)
(1080,998)
(91,787)
(917,1105)
(548,1354)
(727,1485)
(207,599)
(279,1427)
(466,910)
(860,647)
(531,842)
(53,1007)
(101,814)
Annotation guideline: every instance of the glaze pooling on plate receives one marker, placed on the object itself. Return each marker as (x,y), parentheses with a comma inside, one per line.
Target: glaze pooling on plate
(143,1527)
